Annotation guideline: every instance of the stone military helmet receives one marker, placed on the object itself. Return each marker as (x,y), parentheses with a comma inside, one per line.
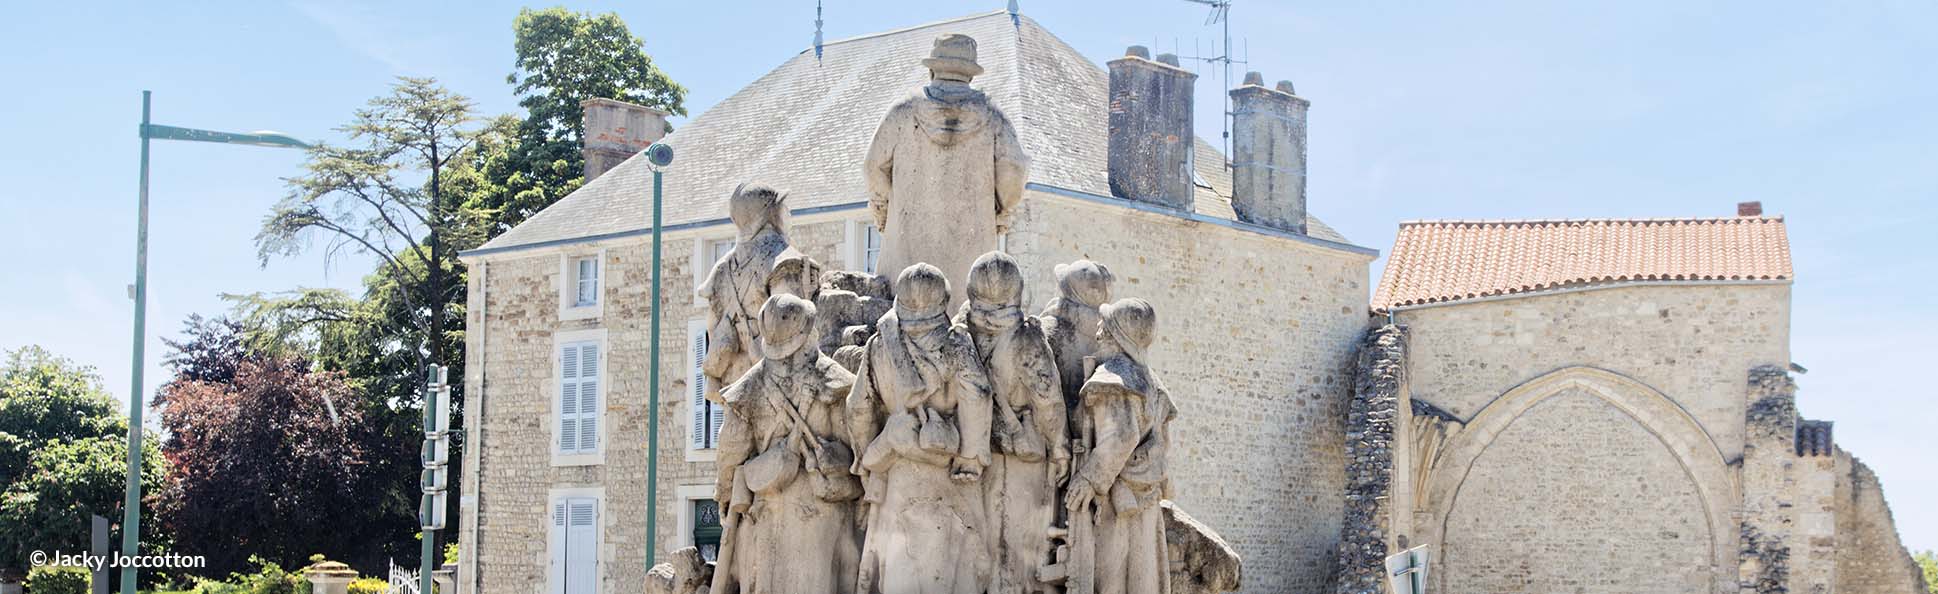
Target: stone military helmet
(921,293)
(754,207)
(1085,282)
(994,278)
(786,326)
(954,53)
(1132,324)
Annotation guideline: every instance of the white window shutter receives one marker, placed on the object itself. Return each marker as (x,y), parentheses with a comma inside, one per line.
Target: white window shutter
(696,339)
(568,405)
(589,409)
(557,548)
(581,542)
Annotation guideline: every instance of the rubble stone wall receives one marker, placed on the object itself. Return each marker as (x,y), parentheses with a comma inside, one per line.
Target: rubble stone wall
(1870,558)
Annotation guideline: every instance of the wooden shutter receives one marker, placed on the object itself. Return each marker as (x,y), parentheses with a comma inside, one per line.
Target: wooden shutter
(581,546)
(589,406)
(557,543)
(696,382)
(568,405)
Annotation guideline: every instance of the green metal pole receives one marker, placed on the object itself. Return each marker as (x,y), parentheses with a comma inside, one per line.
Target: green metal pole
(131,507)
(427,535)
(652,396)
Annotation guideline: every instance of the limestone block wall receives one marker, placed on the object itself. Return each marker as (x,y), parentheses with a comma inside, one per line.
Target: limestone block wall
(1257,336)
(1576,423)
(1870,559)
(1692,343)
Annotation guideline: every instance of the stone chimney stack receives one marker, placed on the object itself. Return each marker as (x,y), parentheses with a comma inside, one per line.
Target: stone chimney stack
(1150,129)
(1749,209)
(1268,154)
(615,131)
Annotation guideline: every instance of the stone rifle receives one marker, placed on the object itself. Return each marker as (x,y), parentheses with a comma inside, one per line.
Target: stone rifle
(1076,559)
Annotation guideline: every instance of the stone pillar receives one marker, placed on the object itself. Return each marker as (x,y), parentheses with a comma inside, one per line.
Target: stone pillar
(615,131)
(444,578)
(1366,532)
(1268,154)
(1150,129)
(330,577)
(1769,452)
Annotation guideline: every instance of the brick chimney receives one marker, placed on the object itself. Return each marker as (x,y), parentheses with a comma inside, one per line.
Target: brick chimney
(1268,154)
(1749,209)
(615,131)
(1150,129)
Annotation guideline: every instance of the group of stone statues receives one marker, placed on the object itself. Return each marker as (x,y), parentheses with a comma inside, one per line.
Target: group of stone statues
(986,451)
(927,435)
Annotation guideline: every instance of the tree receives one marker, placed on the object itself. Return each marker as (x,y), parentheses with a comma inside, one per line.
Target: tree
(1928,564)
(270,458)
(565,58)
(63,457)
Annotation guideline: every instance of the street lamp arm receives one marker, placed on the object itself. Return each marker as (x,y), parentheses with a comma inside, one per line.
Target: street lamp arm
(266,138)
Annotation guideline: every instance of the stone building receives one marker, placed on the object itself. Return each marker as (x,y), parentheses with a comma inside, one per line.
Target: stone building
(1264,309)
(1604,405)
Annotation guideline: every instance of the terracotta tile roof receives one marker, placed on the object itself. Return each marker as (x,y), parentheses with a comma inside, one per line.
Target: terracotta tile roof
(1438,261)
(805,127)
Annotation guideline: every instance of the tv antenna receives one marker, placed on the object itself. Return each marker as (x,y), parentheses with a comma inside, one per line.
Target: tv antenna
(1221,14)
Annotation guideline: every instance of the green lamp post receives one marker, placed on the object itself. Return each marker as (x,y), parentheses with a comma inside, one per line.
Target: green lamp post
(659,156)
(131,508)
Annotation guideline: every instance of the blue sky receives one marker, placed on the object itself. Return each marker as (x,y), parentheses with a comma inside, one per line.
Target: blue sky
(1486,109)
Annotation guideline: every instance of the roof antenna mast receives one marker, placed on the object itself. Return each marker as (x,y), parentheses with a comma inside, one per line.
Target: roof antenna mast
(817,31)
(1221,14)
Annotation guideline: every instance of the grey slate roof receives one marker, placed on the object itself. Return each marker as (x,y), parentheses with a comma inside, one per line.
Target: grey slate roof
(805,127)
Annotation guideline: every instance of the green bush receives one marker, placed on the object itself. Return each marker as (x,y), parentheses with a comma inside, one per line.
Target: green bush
(57,580)
(369,585)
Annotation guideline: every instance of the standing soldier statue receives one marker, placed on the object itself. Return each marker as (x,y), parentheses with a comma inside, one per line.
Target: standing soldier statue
(920,411)
(1032,449)
(1123,428)
(945,171)
(784,485)
(761,264)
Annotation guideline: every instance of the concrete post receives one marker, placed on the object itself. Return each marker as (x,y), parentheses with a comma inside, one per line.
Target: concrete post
(1268,154)
(330,577)
(1150,155)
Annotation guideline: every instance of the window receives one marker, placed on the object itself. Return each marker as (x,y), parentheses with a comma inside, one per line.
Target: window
(703,433)
(575,545)
(588,282)
(717,249)
(871,248)
(579,394)
(582,279)
(707,252)
(706,527)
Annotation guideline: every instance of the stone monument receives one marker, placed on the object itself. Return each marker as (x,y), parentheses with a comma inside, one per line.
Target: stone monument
(784,456)
(760,265)
(1071,320)
(1123,439)
(920,410)
(1032,449)
(945,171)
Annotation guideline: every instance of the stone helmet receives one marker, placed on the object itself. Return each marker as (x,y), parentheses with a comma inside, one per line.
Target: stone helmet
(1132,324)
(755,206)
(786,326)
(954,53)
(995,278)
(921,292)
(1085,281)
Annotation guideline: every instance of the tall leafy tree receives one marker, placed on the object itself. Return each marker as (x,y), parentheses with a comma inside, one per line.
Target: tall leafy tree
(270,458)
(63,457)
(565,58)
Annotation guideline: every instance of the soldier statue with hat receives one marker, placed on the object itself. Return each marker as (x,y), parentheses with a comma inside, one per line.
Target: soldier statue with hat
(945,172)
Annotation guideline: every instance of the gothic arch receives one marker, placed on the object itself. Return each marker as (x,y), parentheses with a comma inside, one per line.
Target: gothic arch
(1668,422)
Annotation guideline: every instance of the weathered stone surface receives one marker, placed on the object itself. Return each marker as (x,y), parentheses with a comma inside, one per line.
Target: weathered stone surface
(1370,434)
(685,572)
(761,264)
(1151,131)
(786,492)
(1201,561)
(945,171)
(1268,160)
